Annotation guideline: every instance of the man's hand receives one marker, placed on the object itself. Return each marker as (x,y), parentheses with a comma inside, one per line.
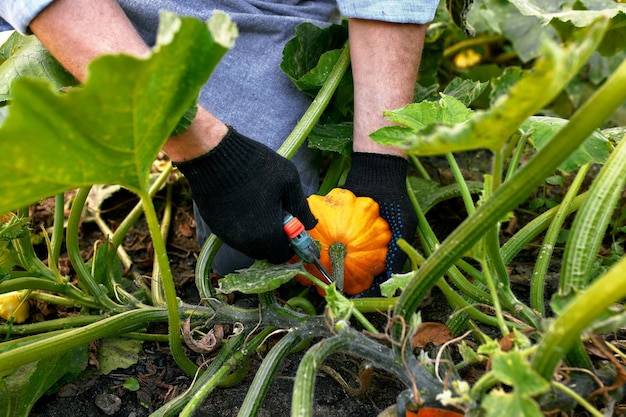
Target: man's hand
(242,189)
(383,178)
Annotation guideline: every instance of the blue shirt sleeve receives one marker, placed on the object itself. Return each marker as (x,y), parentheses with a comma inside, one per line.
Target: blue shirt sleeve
(18,14)
(397,11)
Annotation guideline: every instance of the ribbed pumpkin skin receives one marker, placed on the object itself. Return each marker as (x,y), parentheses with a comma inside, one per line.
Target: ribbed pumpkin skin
(355,222)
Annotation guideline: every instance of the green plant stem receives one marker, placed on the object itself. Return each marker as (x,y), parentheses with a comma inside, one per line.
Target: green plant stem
(589,226)
(166,221)
(169,289)
(336,170)
(211,381)
(30,283)
(517,155)
(265,374)
(337,252)
(113,325)
(533,228)
(495,298)
(374,305)
(458,176)
(460,304)
(430,243)
(50,325)
(127,262)
(587,306)
(147,337)
(55,299)
(469,43)
(118,237)
(419,167)
(73,251)
(59,226)
(601,105)
(302,399)
(203,266)
(304,126)
(29,260)
(580,400)
(538,278)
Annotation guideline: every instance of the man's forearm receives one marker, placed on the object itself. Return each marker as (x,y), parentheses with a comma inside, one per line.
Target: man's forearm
(78,31)
(385,61)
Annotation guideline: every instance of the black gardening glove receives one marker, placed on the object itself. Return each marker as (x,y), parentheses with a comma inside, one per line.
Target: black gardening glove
(242,188)
(383,178)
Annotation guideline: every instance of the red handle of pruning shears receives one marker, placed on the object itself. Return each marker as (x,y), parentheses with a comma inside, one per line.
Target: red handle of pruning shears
(303,244)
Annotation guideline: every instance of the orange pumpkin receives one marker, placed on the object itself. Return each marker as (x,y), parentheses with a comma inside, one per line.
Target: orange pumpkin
(356,223)
(432,412)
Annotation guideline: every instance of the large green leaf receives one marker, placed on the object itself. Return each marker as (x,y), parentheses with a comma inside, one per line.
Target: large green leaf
(491,128)
(581,13)
(546,10)
(309,57)
(26,56)
(596,148)
(20,390)
(110,129)
(261,277)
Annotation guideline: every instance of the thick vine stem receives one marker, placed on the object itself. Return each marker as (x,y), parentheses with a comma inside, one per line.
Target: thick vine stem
(538,278)
(566,330)
(169,289)
(302,129)
(265,374)
(114,325)
(338,252)
(602,104)
(73,251)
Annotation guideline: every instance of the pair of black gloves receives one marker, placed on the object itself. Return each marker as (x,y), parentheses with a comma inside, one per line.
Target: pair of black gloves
(242,189)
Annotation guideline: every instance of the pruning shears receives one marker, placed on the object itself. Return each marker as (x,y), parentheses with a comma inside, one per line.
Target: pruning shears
(303,244)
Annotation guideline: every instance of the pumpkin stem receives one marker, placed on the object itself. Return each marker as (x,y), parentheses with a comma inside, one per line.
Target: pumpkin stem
(338,252)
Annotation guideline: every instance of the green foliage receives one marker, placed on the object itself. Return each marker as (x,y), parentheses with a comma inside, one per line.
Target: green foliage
(261,277)
(543,77)
(595,148)
(23,388)
(311,55)
(140,102)
(25,56)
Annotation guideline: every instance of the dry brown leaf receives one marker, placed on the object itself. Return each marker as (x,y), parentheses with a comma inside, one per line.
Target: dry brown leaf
(431,332)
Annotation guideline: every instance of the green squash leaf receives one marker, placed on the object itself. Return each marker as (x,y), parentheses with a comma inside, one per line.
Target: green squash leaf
(14,228)
(458,12)
(430,193)
(261,277)
(110,129)
(514,370)
(311,54)
(19,391)
(499,403)
(466,91)
(117,353)
(491,128)
(581,17)
(25,56)
(396,282)
(596,147)
(332,137)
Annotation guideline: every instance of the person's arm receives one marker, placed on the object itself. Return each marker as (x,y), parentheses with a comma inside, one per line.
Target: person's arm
(385,58)
(385,61)
(241,187)
(78,31)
